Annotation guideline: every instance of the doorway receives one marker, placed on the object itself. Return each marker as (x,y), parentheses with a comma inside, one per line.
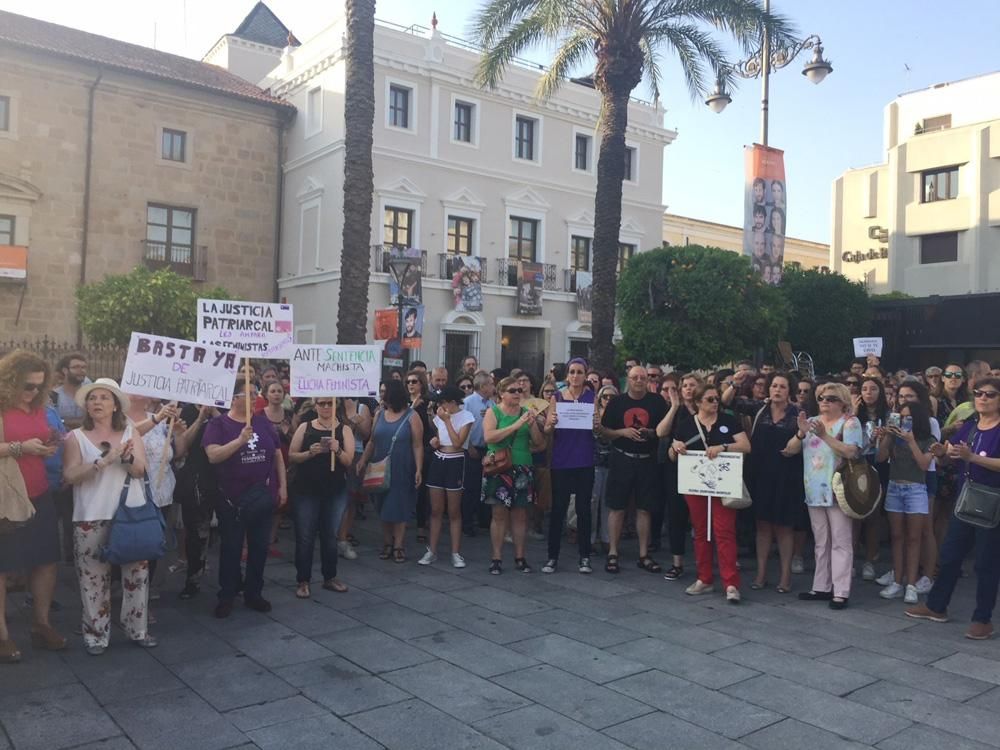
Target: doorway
(524,348)
(458,346)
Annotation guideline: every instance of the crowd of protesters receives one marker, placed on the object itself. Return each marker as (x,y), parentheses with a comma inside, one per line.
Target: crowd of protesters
(485,450)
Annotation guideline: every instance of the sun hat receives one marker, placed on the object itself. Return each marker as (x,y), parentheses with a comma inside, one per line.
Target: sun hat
(107,384)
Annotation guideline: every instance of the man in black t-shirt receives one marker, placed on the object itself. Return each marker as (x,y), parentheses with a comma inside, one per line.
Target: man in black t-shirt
(630,422)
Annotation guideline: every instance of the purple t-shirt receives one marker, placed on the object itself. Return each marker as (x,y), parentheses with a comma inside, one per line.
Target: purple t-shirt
(253,463)
(987,444)
(573,449)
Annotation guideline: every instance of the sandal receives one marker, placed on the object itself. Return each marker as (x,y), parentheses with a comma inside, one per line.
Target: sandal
(398,555)
(611,566)
(302,591)
(782,589)
(386,552)
(758,586)
(9,652)
(335,584)
(674,572)
(45,637)
(648,564)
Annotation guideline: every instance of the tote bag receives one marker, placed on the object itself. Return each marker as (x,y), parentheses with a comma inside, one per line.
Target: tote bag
(136,533)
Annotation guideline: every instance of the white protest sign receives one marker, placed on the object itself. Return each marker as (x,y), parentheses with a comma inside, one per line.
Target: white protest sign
(262,330)
(866,346)
(574,416)
(328,370)
(721,477)
(178,370)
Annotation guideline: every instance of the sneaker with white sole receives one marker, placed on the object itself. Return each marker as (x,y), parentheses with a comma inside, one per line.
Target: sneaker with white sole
(867,572)
(910,597)
(886,578)
(732,595)
(346,551)
(798,565)
(697,588)
(585,565)
(924,585)
(428,558)
(550,566)
(892,591)
(457,561)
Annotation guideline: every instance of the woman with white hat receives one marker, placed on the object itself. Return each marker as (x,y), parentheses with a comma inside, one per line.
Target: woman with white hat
(100,456)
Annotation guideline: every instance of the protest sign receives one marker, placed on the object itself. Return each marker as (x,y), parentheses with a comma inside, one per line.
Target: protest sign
(328,370)
(262,330)
(721,477)
(178,370)
(574,416)
(864,347)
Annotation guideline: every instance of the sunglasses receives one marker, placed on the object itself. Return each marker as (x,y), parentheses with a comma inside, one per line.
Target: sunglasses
(711,399)
(829,399)
(105,447)
(853,382)
(29,387)
(413,381)
(324,404)
(951,375)
(466,386)
(985,394)
(517,391)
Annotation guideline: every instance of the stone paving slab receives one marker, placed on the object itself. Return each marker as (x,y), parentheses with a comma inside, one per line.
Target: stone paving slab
(490,625)
(660,729)
(415,725)
(581,628)
(374,650)
(420,598)
(273,712)
(538,728)
(175,720)
(580,659)
(56,717)
(685,663)
(978,667)
(314,733)
(398,621)
(796,734)
(233,682)
(354,694)
(472,653)
(922,736)
(810,672)
(681,633)
(503,602)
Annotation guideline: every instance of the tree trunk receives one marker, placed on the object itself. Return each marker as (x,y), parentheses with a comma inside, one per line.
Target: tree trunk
(359,178)
(607,222)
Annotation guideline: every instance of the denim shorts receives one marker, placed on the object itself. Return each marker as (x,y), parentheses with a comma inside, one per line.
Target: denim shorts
(906,497)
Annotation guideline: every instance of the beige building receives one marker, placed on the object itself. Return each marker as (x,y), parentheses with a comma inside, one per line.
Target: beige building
(685,230)
(927,220)
(113,155)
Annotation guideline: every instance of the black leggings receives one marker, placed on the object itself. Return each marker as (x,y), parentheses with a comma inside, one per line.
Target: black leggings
(675,510)
(566,482)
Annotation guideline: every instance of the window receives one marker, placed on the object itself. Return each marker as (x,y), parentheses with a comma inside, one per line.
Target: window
(399,107)
(4,113)
(629,162)
(941,185)
(314,111)
(463,122)
(580,253)
(397,228)
(170,235)
(524,138)
(173,145)
(939,248)
(941,122)
(6,230)
(581,153)
(625,251)
(523,240)
(460,235)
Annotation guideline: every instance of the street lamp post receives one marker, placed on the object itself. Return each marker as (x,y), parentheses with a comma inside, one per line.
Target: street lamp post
(761,63)
(399,267)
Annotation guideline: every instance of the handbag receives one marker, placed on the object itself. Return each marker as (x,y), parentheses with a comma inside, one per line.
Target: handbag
(137,534)
(378,474)
(16,508)
(856,486)
(733,503)
(977,504)
(501,459)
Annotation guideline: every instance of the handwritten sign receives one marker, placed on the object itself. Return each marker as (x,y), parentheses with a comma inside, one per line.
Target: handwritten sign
(574,416)
(328,370)
(258,329)
(722,477)
(864,347)
(174,369)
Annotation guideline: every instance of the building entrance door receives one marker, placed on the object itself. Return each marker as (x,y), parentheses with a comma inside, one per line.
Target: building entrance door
(524,348)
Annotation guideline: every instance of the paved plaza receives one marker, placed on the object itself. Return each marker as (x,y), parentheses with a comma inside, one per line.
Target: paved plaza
(432,657)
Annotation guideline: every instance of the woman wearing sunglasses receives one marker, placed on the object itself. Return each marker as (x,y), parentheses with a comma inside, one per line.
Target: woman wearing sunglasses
(100,456)
(976,450)
(34,546)
(825,442)
(953,391)
(509,425)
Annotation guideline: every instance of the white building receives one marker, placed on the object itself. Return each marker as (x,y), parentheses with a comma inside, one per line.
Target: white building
(927,220)
(491,174)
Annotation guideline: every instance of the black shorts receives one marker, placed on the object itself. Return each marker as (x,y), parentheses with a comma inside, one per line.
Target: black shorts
(629,476)
(446,471)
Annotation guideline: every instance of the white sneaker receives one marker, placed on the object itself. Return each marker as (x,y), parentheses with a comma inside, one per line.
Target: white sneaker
(428,558)
(924,585)
(732,595)
(798,566)
(886,578)
(867,572)
(911,595)
(892,591)
(346,551)
(457,561)
(549,567)
(697,588)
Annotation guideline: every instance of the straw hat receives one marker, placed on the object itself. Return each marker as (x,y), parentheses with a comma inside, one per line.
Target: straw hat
(107,384)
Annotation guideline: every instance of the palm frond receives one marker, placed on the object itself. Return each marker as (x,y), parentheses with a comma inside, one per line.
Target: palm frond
(744,20)
(694,48)
(651,62)
(495,60)
(496,18)
(573,51)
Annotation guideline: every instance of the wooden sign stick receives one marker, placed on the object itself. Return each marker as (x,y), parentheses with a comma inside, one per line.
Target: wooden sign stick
(333,455)
(246,388)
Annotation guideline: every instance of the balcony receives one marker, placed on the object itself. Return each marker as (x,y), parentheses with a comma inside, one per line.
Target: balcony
(507,270)
(382,253)
(450,264)
(183,260)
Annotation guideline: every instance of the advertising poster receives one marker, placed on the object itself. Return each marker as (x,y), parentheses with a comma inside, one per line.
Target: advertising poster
(413,326)
(328,370)
(765,211)
(262,330)
(584,296)
(530,283)
(386,324)
(178,370)
(412,291)
(467,283)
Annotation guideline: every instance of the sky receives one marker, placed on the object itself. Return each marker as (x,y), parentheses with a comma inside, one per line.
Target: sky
(879,49)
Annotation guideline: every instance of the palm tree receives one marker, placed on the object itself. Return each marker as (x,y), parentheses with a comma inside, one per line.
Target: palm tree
(624,39)
(359,177)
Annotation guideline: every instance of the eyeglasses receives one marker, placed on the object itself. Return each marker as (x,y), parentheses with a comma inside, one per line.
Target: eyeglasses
(517,391)
(466,386)
(951,375)
(829,399)
(324,404)
(985,394)
(412,381)
(28,387)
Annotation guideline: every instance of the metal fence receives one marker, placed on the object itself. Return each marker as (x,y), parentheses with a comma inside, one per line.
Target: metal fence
(103,360)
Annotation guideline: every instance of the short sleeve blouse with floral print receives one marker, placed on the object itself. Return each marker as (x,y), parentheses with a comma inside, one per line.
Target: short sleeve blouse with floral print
(820,460)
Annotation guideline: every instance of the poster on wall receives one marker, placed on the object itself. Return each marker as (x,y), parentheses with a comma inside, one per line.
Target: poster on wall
(409,285)
(530,283)
(386,323)
(258,329)
(584,296)
(413,326)
(765,211)
(467,283)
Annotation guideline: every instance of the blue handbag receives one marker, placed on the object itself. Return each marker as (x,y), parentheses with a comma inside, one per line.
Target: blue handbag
(136,533)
